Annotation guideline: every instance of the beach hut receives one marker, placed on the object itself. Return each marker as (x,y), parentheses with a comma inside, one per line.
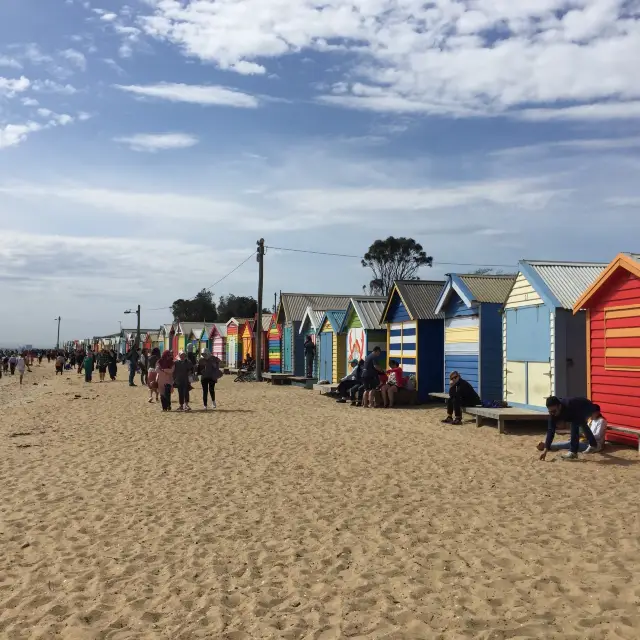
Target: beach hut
(205,340)
(473,309)
(363,328)
(612,306)
(264,336)
(165,337)
(415,332)
(246,337)
(218,340)
(291,311)
(275,342)
(234,344)
(309,327)
(544,350)
(331,346)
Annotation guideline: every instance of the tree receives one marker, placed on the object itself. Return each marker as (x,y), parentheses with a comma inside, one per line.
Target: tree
(237,307)
(202,308)
(394,259)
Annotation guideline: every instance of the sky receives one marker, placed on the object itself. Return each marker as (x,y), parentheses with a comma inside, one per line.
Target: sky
(145,146)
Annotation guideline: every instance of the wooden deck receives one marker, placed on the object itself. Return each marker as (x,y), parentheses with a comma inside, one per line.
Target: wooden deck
(325,389)
(277,378)
(501,415)
(302,381)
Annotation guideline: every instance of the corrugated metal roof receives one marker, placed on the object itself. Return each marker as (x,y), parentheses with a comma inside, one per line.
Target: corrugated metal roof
(421,297)
(488,288)
(239,321)
(633,256)
(188,327)
(336,318)
(266,321)
(567,281)
(369,311)
(222,329)
(295,305)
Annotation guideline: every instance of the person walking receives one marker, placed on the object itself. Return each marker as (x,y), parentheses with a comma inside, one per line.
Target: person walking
(209,371)
(309,356)
(144,365)
(112,365)
(103,363)
(182,371)
(12,363)
(21,365)
(164,369)
(89,365)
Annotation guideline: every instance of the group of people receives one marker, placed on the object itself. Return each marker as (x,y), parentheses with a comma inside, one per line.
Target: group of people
(367,378)
(13,363)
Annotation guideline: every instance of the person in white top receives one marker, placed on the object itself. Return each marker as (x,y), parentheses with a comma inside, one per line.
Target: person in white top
(21,365)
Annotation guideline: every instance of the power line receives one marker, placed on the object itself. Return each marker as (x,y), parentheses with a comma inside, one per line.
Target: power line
(216,283)
(346,255)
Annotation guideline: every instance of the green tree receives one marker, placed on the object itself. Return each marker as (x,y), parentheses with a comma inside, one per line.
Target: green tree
(202,308)
(394,259)
(232,306)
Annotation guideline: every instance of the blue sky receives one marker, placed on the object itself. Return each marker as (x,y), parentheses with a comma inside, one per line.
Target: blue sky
(145,146)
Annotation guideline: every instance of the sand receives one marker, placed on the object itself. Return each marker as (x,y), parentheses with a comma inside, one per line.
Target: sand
(284,515)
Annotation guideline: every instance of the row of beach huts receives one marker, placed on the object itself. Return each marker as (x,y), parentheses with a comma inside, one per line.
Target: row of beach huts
(554,328)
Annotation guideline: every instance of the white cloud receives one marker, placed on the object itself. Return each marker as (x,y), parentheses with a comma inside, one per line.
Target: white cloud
(49,86)
(108,17)
(195,94)
(12,63)
(624,201)
(600,111)
(587,144)
(158,141)
(12,135)
(30,102)
(75,57)
(461,58)
(11,86)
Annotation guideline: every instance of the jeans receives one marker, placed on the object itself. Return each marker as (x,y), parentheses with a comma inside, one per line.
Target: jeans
(566,445)
(183,393)
(345,386)
(165,397)
(132,374)
(309,366)
(87,375)
(575,435)
(208,387)
(356,393)
(143,376)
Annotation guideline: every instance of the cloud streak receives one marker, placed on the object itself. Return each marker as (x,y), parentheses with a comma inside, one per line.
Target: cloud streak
(206,95)
(152,142)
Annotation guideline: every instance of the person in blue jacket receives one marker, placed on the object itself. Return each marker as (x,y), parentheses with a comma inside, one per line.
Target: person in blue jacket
(576,412)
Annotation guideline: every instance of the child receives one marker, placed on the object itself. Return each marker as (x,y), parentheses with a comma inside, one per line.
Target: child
(87,363)
(60,361)
(21,365)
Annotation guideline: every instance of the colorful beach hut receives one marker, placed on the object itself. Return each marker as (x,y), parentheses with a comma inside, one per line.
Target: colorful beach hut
(234,343)
(246,338)
(363,328)
(544,350)
(415,332)
(275,342)
(612,306)
(218,340)
(291,311)
(309,328)
(331,346)
(473,307)
(264,336)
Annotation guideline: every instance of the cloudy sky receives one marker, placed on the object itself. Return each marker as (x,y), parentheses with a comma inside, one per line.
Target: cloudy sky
(146,145)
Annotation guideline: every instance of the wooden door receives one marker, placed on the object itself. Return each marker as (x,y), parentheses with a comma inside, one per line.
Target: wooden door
(326,356)
(516,383)
(538,383)
(286,350)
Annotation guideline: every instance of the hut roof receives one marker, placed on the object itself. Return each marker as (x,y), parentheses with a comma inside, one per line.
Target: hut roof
(560,284)
(628,261)
(420,297)
(221,328)
(369,310)
(293,306)
(315,318)
(474,288)
(335,318)
(238,321)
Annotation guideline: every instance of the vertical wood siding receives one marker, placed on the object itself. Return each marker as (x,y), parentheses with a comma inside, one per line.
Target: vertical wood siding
(275,351)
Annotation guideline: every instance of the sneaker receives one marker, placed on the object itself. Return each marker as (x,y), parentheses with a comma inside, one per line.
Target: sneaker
(204,407)
(457,421)
(595,449)
(180,409)
(187,408)
(341,401)
(214,405)
(569,456)
(448,420)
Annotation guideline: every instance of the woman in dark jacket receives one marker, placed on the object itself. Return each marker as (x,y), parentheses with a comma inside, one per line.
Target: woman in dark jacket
(112,365)
(209,372)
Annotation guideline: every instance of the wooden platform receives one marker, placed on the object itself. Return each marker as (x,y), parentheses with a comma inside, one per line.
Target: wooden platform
(325,389)
(504,415)
(302,381)
(626,431)
(501,415)
(277,378)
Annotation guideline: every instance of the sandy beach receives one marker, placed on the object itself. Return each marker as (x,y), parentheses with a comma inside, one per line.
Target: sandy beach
(284,515)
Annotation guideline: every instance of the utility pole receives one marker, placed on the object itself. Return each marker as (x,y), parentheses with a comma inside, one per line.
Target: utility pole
(275,302)
(58,340)
(260,259)
(138,329)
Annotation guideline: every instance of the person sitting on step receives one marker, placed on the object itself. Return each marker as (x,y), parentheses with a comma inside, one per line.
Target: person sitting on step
(354,379)
(461,394)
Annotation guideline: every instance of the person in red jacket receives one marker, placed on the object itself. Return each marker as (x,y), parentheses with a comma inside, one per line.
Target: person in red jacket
(395,380)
